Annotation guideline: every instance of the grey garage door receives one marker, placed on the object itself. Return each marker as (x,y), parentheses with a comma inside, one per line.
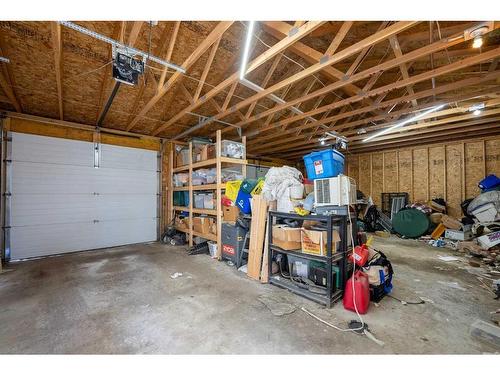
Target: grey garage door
(60,202)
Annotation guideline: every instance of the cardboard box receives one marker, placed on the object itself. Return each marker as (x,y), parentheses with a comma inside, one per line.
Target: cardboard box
(286,237)
(182,223)
(182,158)
(201,224)
(314,241)
(308,189)
(450,222)
(230,213)
(458,235)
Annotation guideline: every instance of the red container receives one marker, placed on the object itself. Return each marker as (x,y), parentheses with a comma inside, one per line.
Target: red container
(359,255)
(360,293)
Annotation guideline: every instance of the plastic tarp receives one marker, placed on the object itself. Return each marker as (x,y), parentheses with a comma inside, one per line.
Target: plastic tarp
(279,180)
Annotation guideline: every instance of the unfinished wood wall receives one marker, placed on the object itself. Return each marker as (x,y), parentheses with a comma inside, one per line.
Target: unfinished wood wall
(449,170)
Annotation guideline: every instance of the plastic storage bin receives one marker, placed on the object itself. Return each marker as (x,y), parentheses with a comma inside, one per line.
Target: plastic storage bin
(490,182)
(232,149)
(324,164)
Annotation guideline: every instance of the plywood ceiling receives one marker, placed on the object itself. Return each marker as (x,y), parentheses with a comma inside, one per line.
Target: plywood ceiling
(352,77)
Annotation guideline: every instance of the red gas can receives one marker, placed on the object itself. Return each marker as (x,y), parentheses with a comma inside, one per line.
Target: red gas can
(362,289)
(359,255)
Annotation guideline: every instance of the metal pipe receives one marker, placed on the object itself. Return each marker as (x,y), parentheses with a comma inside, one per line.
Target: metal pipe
(108,103)
(116,43)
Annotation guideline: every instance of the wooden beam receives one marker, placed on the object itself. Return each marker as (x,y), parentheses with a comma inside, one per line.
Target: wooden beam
(57,47)
(134,33)
(392,86)
(204,75)
(142,87)
(6,81)
(229,95)
(192,58)
(339,37)
(265,82)
(396,48)
(170,50)
(186,93)
(436,46)
(292,141)
(426,93)
(269,54)
(349,51)
(281,30)
(9,92)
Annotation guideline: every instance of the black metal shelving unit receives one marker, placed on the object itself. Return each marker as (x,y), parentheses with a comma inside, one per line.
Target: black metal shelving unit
(338,258)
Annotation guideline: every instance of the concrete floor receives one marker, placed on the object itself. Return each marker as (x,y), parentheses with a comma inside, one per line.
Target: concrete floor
(123,300)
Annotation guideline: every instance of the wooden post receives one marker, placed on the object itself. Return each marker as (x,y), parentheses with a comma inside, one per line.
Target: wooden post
(411,177)
(190,189)
(428,176)
(445,177)
(170,191)
(383,171)
(218,195)
(397,170)
(463,172)
(371,175)
(484,158)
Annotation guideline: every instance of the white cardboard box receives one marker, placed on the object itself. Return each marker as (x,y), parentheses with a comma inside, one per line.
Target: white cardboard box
(458,235)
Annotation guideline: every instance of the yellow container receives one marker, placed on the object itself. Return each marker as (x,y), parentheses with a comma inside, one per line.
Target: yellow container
(232,189)
(258,188)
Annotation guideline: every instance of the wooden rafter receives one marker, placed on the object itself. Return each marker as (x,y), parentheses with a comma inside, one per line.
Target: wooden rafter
(142,87)
(206,69)
(281,29)
(384,89)
(195,55)
(6,81)
(404,69)
(339,37)
(426,93)
(436,46)
(349,51)
(57,47)
(265,82)
(254,64)
(229,95)
(170,50)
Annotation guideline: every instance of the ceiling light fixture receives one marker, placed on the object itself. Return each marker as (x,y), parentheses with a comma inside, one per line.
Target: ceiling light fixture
(477,34)
(477,112)
(246,50)
(116,44)
(404,122)
(478,42)
(4,59)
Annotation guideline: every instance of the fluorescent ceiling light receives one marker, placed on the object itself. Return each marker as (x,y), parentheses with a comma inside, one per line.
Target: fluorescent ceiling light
(404,122)
(246,50)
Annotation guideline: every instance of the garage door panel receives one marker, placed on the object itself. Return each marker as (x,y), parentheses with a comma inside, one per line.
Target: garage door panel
(41,240)
(60,203)
(128,158)
(29,178)
(123,181)
(42,209)
(126,206)
(39,149)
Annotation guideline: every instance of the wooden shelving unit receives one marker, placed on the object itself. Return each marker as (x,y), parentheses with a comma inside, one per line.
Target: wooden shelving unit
(217,187)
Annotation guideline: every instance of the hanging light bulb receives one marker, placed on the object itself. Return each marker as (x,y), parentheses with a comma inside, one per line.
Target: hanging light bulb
(476,112)
(322,142)
(478,42)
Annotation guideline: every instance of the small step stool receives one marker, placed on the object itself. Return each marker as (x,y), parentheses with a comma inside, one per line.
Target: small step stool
(245,249)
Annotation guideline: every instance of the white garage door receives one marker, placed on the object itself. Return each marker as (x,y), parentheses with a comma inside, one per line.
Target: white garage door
(61,203)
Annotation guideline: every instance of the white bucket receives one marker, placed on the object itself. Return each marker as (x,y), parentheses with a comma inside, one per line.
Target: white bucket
(212,248)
